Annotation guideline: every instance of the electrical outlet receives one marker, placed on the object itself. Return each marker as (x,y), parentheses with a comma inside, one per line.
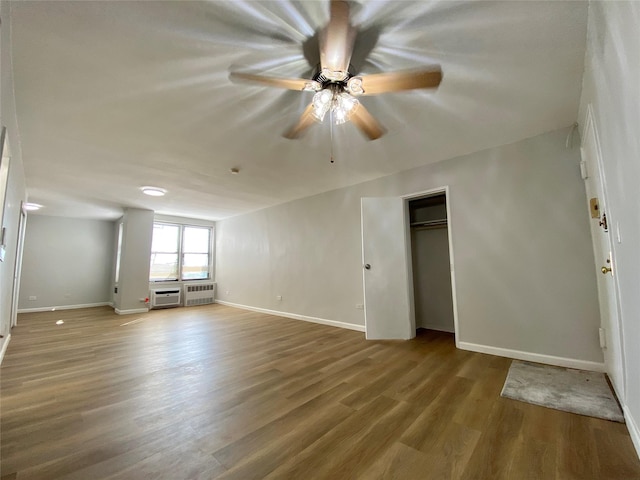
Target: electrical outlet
(32,297)
(279,298)
(67,295)
(359,306)
(226,292)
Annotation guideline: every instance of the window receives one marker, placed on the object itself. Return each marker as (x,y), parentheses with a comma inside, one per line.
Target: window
(195,253)
(180,252)
(165,249)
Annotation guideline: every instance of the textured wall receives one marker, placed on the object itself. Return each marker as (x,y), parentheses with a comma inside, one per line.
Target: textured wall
(521,245)
(432,279)
(66,261)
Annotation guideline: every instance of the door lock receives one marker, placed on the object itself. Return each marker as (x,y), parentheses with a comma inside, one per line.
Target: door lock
(367,266)
(605,270)
(603,222)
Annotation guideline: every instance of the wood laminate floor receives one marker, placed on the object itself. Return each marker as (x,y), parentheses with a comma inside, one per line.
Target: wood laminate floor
(214,392)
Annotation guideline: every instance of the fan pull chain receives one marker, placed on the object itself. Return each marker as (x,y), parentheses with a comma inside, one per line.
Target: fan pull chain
(331,135)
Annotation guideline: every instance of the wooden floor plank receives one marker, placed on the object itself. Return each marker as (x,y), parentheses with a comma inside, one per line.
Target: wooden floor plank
(216,392)
(399,462)
(493,456)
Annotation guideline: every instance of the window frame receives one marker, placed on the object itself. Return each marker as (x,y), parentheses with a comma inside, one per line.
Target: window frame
(181,253)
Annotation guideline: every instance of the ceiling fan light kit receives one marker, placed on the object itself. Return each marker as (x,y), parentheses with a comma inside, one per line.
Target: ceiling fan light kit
(331,99)
(336,87)
(312,86)
(334,75)
(354,86)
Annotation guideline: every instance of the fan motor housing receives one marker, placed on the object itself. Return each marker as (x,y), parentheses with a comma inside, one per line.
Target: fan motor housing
(322,79)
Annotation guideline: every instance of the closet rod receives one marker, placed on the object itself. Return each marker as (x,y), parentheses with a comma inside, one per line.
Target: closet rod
(429,227)
(430,223)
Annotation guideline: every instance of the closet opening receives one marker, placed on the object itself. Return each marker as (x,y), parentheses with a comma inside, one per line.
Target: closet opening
(431,263)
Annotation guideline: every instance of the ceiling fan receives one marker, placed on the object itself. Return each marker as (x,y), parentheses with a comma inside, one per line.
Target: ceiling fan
(337,88)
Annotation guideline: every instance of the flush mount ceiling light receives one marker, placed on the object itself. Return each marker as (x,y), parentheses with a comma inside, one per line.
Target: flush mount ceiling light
(32,207)
(153,191)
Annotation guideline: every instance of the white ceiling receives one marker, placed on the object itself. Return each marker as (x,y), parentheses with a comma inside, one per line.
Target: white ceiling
(111,96)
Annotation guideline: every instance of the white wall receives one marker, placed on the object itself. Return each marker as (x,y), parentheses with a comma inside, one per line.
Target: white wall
(66,262)
(133,285)
(611,79)
(521,243)
(432,279)
(16,191)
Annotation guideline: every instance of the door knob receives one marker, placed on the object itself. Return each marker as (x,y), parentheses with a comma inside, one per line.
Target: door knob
(367,266)
(605,270)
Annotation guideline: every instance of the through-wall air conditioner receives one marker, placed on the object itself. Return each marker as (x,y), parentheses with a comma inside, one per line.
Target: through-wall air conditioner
(165,297)
(200,293)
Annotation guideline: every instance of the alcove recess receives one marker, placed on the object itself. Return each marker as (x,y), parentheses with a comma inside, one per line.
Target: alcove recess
(430,263)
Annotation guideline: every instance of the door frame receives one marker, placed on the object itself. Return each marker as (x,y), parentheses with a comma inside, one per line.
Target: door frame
(429,193)
(22,225)
(590,126)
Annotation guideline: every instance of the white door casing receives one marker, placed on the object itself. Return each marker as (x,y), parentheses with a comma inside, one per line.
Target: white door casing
(22,224)
(604,257)
(388,300)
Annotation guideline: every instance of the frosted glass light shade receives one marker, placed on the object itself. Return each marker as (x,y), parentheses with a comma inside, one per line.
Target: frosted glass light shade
(339,103)
(153,191)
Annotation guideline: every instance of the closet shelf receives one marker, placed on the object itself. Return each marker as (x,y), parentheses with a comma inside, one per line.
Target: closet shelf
(430,224)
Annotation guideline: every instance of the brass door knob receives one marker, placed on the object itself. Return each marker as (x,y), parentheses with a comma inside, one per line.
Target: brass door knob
(605,270)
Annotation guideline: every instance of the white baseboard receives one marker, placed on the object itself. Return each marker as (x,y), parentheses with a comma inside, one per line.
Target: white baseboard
(534,357)
(632,426)
(130,311)
(5,344)
(322,321)
(64,307)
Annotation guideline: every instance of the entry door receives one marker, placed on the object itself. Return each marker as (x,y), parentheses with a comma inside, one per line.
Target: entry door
(601,230)
(388,296)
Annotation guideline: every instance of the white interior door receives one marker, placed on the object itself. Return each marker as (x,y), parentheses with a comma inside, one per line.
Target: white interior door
(604,261)
(388,296)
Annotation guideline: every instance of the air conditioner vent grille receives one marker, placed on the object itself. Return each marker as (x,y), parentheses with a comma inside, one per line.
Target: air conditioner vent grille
(199,294)
(199,288)
(165,298)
